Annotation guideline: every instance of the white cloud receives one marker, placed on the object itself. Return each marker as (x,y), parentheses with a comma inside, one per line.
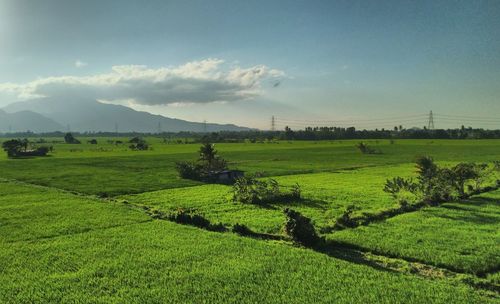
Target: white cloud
(80,64)
(194,82)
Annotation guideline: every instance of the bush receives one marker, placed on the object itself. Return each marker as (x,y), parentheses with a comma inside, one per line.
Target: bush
(188,170)
(22,147)
(365,149)
(138,144)
(208,164)
(70,139)
(300,229)
(190,217)
(249,190)
(437,184)
(402,190)
(346,220)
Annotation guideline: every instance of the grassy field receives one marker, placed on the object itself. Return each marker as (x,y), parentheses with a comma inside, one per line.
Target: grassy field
(120,171)
(463,236)
(61,243)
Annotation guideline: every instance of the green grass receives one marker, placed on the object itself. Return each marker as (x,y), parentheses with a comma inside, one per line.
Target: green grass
(464,236)
(325,196)
(117,170)
(133,261)
(28,213)
(56,246)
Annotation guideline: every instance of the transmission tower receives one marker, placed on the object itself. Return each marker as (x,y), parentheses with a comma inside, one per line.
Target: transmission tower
(159,127)
(204,126)
(273,123)
(116,128)
(430,126)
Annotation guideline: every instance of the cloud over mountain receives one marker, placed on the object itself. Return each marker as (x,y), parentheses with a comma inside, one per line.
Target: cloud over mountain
(202,81)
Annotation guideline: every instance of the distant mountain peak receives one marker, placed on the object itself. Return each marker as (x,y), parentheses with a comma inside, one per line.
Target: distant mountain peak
(94,116)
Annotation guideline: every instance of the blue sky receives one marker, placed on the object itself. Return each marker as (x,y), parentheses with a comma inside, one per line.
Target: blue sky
(297,60)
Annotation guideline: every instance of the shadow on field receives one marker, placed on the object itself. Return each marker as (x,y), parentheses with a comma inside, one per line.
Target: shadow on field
(303,202)
(468,212)
(342,252)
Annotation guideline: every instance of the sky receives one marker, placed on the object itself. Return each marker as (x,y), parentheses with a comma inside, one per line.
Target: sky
(370,64)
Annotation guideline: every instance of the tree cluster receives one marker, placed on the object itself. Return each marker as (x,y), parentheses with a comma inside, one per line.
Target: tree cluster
(207,164)
(249,190)
(437,184)
(138,144)
(23,147)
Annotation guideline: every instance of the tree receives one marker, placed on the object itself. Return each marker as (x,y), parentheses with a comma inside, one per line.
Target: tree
(138,144)
(212,161)
(13,147)
(70,139)
(208,153)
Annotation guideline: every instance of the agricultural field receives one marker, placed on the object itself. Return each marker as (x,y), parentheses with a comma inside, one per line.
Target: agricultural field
(86,224)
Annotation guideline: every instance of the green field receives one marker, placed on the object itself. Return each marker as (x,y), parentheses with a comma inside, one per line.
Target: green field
(61,242)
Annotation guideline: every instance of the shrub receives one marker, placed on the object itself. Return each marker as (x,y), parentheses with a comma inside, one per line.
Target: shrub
(208,164)
(93,141)
(22,147)
(188,170)
(138,144)
(296,191)
(300,229)
(249,190)
(70,139)
(437,184)
(365,149)
(346,220)
(402,190)
(189,217)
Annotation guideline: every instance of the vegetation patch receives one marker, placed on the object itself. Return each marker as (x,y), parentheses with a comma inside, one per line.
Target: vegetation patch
(24,148)
(187,217)
(300,229)
(249,190)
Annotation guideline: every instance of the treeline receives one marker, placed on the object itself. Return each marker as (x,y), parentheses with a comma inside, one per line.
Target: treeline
(309,133)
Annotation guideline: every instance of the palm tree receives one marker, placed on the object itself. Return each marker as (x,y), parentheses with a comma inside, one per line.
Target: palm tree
(208,153)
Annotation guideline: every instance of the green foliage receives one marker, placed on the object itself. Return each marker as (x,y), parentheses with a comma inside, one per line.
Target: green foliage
(299,228)
(436,184)
(138,144)
(208,164)
(189,170)
(346,219)
(403,190)
(70,139)
(22,147)
(191,217)
(249,190)
(459,235)
(366,149)
(55,248)
(13,146)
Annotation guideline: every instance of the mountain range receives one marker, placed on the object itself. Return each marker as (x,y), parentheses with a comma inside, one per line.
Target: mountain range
(48,114)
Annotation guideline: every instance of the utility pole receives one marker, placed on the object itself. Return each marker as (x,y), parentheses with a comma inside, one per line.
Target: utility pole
(430,125)
(273,123)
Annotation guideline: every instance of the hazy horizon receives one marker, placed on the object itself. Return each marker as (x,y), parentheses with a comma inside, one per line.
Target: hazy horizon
(342,63)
